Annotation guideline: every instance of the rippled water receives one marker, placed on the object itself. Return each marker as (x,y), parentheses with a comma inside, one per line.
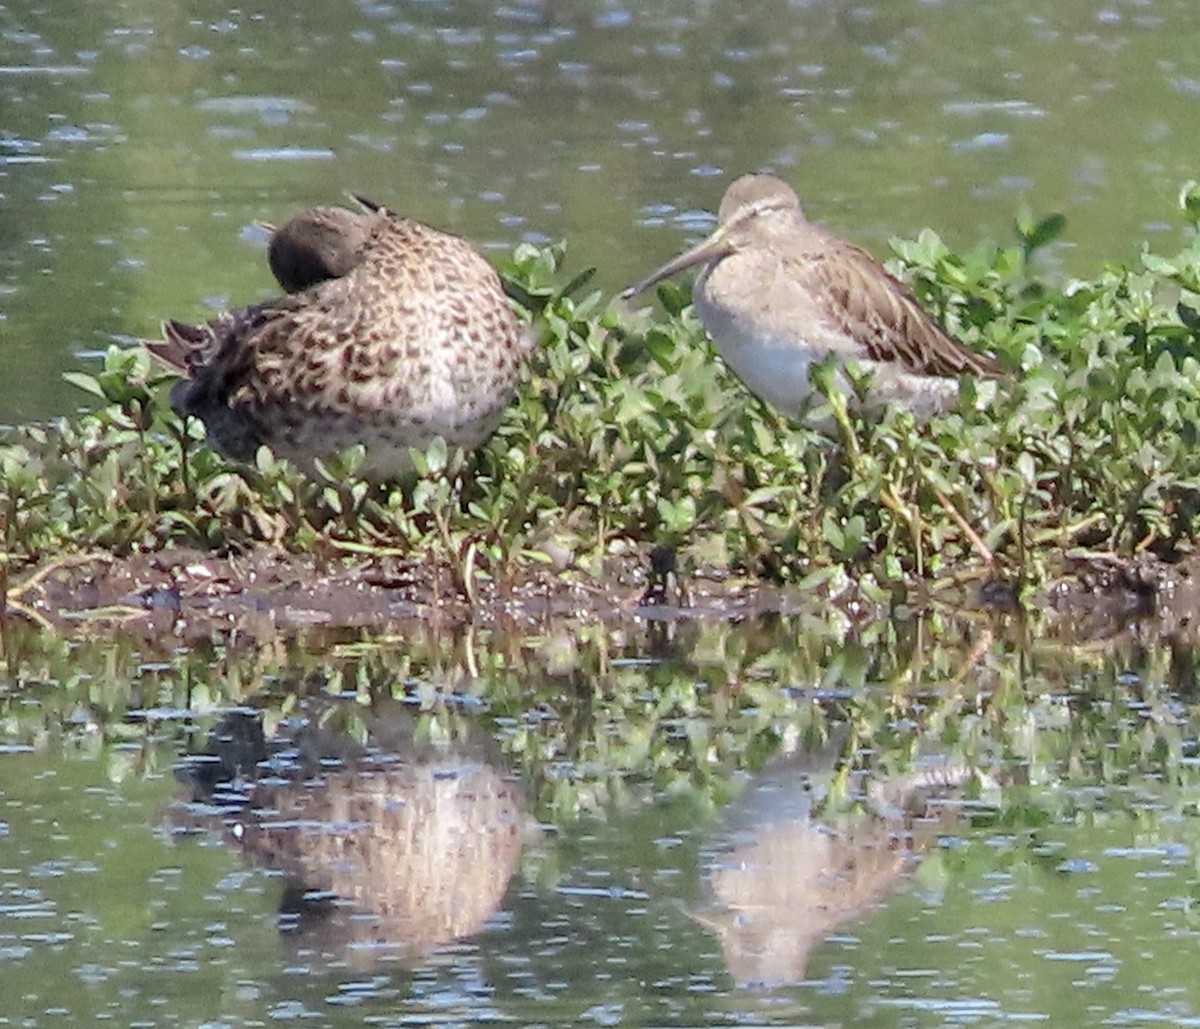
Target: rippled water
(139,145)
(778,823)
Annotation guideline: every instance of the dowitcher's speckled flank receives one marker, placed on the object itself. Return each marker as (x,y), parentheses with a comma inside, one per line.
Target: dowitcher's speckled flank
(392,333)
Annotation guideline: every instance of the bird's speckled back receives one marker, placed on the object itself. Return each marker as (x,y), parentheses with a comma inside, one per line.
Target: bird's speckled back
(415,340)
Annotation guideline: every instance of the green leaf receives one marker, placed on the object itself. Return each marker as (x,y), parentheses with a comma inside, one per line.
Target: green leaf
(675,298)
(1189,200)
(1044,232)
(87,383)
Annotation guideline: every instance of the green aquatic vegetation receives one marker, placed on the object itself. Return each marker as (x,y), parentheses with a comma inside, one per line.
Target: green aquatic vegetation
(629,432)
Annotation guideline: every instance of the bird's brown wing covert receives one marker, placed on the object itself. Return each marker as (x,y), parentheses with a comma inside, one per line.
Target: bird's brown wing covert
(879,311)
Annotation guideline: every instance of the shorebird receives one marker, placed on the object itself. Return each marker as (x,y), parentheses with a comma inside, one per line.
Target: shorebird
(391,333)
(778,294)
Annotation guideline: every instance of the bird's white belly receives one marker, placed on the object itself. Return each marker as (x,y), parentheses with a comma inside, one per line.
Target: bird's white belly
(773,365)
(775,373)
(779,374)
(775,361)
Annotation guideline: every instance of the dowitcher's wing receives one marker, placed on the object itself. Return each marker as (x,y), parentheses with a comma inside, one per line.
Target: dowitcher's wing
(860,299)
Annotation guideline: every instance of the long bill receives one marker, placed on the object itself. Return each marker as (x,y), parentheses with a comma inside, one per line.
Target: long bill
(712,249)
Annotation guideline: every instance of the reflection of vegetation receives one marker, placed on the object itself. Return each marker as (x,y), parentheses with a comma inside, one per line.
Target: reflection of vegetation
(631,430)
(589,728)
(631,748)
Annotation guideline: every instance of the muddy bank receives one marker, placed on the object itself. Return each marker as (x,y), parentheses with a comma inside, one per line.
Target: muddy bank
(189,594)
(194,593)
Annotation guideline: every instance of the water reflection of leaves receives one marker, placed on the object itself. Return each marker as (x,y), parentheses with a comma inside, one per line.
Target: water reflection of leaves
(591,712)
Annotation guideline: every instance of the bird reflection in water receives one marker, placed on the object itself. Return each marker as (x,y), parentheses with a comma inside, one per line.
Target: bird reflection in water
(784,871)
(387,849)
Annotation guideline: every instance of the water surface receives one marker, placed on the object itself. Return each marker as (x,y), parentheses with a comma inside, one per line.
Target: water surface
(608,826)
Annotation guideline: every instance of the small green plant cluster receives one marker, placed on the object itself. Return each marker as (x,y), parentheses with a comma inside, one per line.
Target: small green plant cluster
(630,432)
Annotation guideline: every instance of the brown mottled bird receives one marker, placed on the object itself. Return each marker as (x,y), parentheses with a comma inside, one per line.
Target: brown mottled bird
(778,294)
(321,243)
(392,333)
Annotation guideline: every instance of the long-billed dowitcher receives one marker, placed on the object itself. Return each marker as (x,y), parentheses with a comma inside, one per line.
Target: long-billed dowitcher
(392,333)
(778,294)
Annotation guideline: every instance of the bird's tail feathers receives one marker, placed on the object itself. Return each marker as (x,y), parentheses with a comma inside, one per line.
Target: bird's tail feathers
(178,347)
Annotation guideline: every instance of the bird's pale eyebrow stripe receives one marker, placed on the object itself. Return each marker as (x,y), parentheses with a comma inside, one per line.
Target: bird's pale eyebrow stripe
(756,207)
